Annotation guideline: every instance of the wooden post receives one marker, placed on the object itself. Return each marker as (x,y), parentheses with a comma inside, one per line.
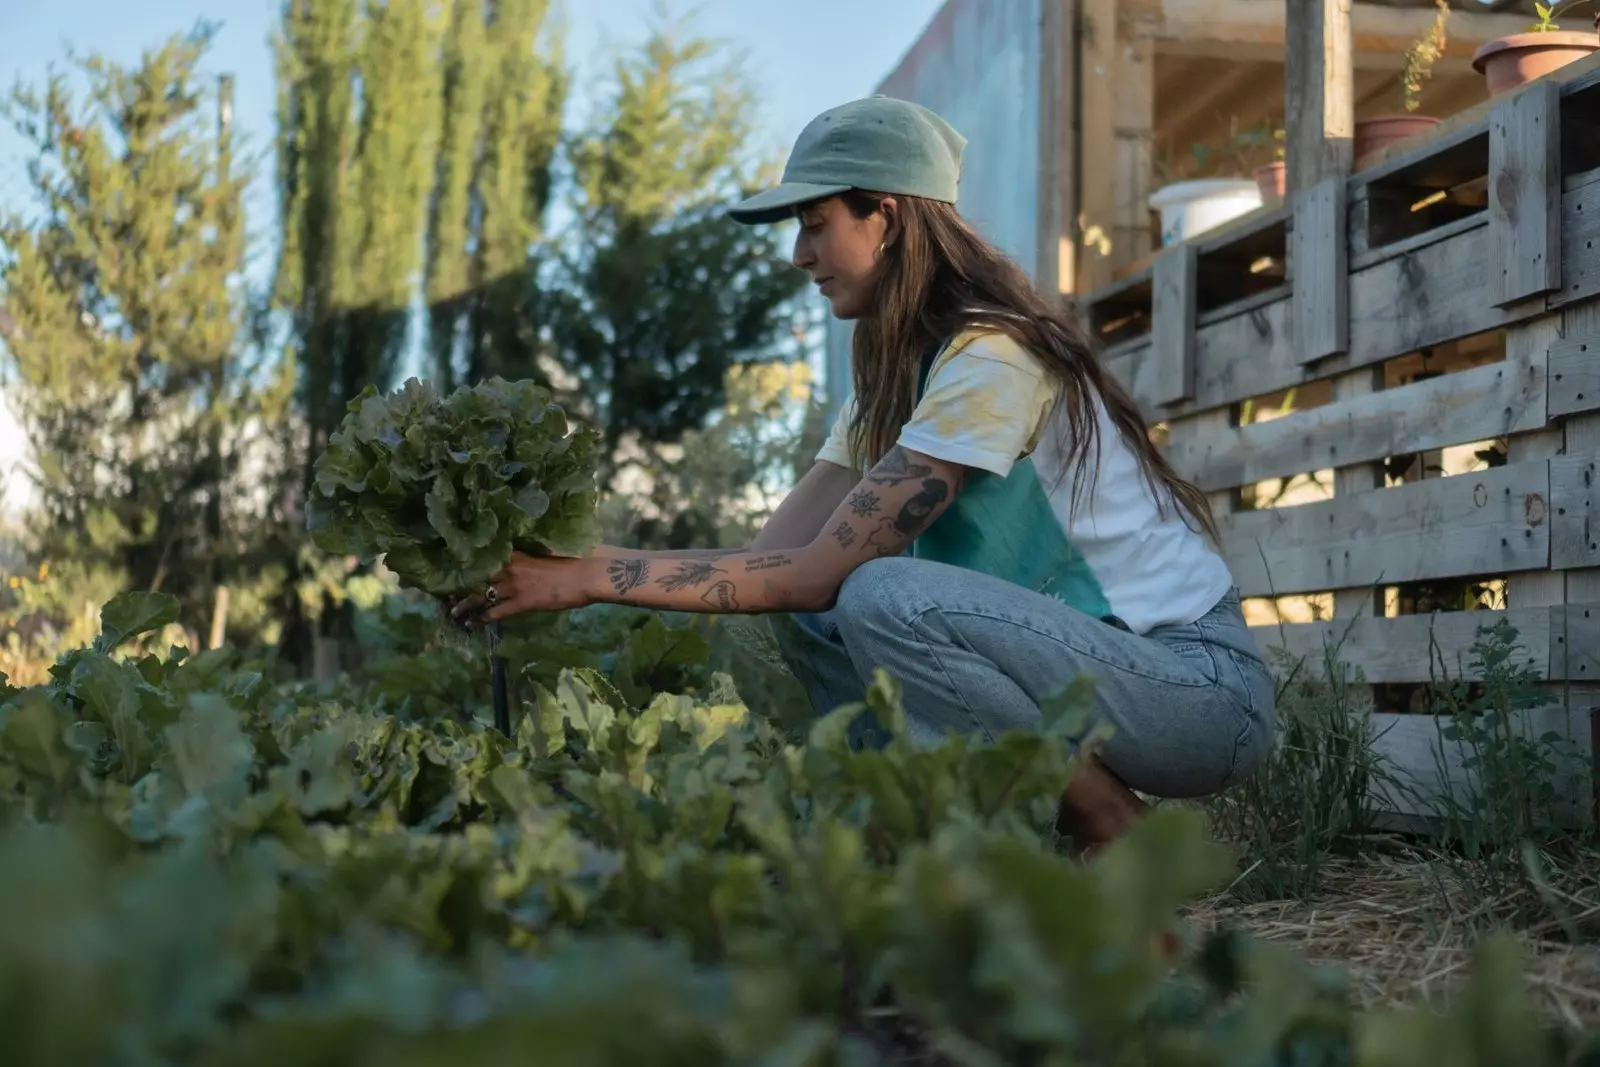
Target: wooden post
(1318,102)
(1525,194)
(1097,136)
(1134,122)
(1057,267)
(1319,121)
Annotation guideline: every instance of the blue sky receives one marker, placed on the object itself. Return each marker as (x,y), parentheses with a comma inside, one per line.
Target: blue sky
(803,55)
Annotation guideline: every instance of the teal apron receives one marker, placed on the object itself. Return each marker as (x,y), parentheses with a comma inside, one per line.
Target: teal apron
(1006,528)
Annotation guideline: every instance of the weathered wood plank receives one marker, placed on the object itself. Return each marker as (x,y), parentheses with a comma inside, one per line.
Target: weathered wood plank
(1580,246)
(1525,193)
(1319,255)
(1575,376)
(1575,519)
(1097,139)
(1489,522)
(1436,294)
(1360,261)
(1575,652)
(1319,103)
(1415,648)
(1532,340)
(1427,767)
(1173,333)
(1469,405)
(1133,120)
(1414,301)
(1355,479)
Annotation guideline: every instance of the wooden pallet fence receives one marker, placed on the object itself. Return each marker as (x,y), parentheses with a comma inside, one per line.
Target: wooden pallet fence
(1473,255)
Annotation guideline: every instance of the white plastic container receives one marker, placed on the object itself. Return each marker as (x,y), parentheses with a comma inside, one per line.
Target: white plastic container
(1188,208)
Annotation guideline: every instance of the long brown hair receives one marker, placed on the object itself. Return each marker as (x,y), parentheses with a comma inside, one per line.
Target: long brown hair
(941,278)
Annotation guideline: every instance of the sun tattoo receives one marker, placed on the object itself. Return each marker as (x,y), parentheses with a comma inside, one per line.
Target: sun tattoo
(864,502)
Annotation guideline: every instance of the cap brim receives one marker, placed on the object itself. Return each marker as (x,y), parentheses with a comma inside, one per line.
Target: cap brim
(779,202)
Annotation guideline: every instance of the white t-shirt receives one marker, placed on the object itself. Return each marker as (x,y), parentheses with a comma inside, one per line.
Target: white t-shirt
(990,405)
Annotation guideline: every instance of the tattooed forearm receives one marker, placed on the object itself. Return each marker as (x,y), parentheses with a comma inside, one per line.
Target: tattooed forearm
(864,502)
(845,534)
(914,515)
(722,597)
(886,540)
(767,562)
(628,574)
(689,574)
(896,467)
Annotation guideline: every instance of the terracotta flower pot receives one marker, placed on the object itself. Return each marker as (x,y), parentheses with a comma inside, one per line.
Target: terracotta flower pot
(1375,134)
(1524,57)
(1272,180)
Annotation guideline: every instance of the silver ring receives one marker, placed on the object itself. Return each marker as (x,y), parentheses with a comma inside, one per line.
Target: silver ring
(492,595)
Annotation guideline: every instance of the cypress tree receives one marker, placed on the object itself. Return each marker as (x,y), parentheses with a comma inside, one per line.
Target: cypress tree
(504,92)
(658,293)
(125,318)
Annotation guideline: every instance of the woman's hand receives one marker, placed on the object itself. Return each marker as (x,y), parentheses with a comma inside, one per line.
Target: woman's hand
(529,583)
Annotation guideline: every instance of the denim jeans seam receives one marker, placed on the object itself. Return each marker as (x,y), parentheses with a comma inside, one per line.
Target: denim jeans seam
(914,624)
(1251,723)
(1203,683)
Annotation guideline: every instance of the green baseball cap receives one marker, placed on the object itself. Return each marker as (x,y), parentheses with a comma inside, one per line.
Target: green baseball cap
(879,143)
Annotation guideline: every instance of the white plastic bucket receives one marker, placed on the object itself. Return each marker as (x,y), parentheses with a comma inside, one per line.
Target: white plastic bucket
(1188,208)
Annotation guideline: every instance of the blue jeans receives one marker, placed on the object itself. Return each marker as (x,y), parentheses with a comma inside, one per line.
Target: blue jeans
(1191,706)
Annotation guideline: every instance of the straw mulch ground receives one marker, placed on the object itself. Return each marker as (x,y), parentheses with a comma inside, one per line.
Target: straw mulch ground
(1403,928)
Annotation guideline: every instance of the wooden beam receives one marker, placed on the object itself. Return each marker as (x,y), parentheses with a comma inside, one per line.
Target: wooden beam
(1134,121)
(1173,314)
(1507,397)
(1525,194)
(1097,142)
(1374,28)
(1319,260)
(1425,765)
(1432,293)
(1318,107)
(1489,522)
(1575,375)
(1057,268)
(1408,648)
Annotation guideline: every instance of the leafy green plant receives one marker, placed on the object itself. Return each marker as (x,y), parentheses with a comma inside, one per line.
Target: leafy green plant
(1422,55)
(1315,796)
(1549,15)
(207,869)
(1507,786)
(446,488)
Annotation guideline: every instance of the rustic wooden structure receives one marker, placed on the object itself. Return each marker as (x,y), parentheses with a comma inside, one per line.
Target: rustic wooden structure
(1154,79)
(1446,297)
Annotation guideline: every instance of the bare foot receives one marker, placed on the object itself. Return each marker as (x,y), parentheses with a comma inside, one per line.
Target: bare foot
(1096,809)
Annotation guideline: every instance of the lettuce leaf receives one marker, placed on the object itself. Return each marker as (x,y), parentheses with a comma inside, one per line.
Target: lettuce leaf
(445,488)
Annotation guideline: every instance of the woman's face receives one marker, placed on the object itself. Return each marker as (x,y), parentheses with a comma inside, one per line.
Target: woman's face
(841,252)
